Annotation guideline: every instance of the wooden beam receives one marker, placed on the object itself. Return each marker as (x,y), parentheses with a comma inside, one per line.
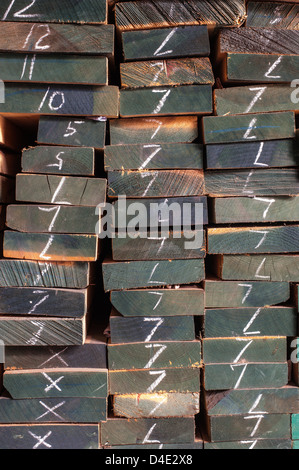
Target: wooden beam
(138,329)
(66,410)
(54,68)
(241,128)
(235,294)
(70,382)
(182,41)
(44,247)
(10,163)
(257,444)
(61,100)
(145,381)
(156,14)
(156,405)
(198,444)
(88,11)
(272,15)
(156,183)
(49,436)
(262,321)
(36,218)
(57,38)
(71,132)
(140,431)
(180,354)
(20,273)
(295,426)
(166,101)
(134,274)
(65,190)
(170,156)
(153,130)
(159,302)
(169,72)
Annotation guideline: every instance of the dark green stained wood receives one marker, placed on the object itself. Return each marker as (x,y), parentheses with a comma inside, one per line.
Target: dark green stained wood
(144,246)
(296,444)
(238,402)
(59,160)
(70,219)
(156,183)
(171,72)
(74,132)
(256,182)
(68,436)
(147,405)
(141,431)
(260,239)
(237,294)
(69,383)
(67,410)
(272,15)
(58,247)
(54,189)
(88,70)
(253,210)
(260,267)
(164,302)
(57,38)
(134,274)
(234,428)
(272,153)
(195,445)
(169,210)
(148,14)
(49,302)
(188,41)
(153,130)
(243,100)
(256,444)
(153,156)
(261,68)
(144,381)
(135,329)
(236,322)
(179,100)
(36,331)
(180,354)
(254,375)
(295,426)
(40,99)
(19,273)
(67,11)
(258,40)
(241,128)
(231,350)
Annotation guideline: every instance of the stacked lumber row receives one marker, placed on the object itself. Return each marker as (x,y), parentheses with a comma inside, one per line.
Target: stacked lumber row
(55,378)
(251,152)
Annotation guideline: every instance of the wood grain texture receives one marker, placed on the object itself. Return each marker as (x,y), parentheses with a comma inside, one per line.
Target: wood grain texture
(19,273)
(57,38)
(262,321)
(54,68)
(149,14)
(71,132)
(156,405)
(182,41)
(67,11)
(60,436)
(272,15)
(154,130)
(169,72)
(179,354)
(58,247)
(134,274)
(156,183)
(65,190)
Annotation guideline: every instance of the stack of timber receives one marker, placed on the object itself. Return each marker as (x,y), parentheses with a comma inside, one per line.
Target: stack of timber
(252,183)
(58,70)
